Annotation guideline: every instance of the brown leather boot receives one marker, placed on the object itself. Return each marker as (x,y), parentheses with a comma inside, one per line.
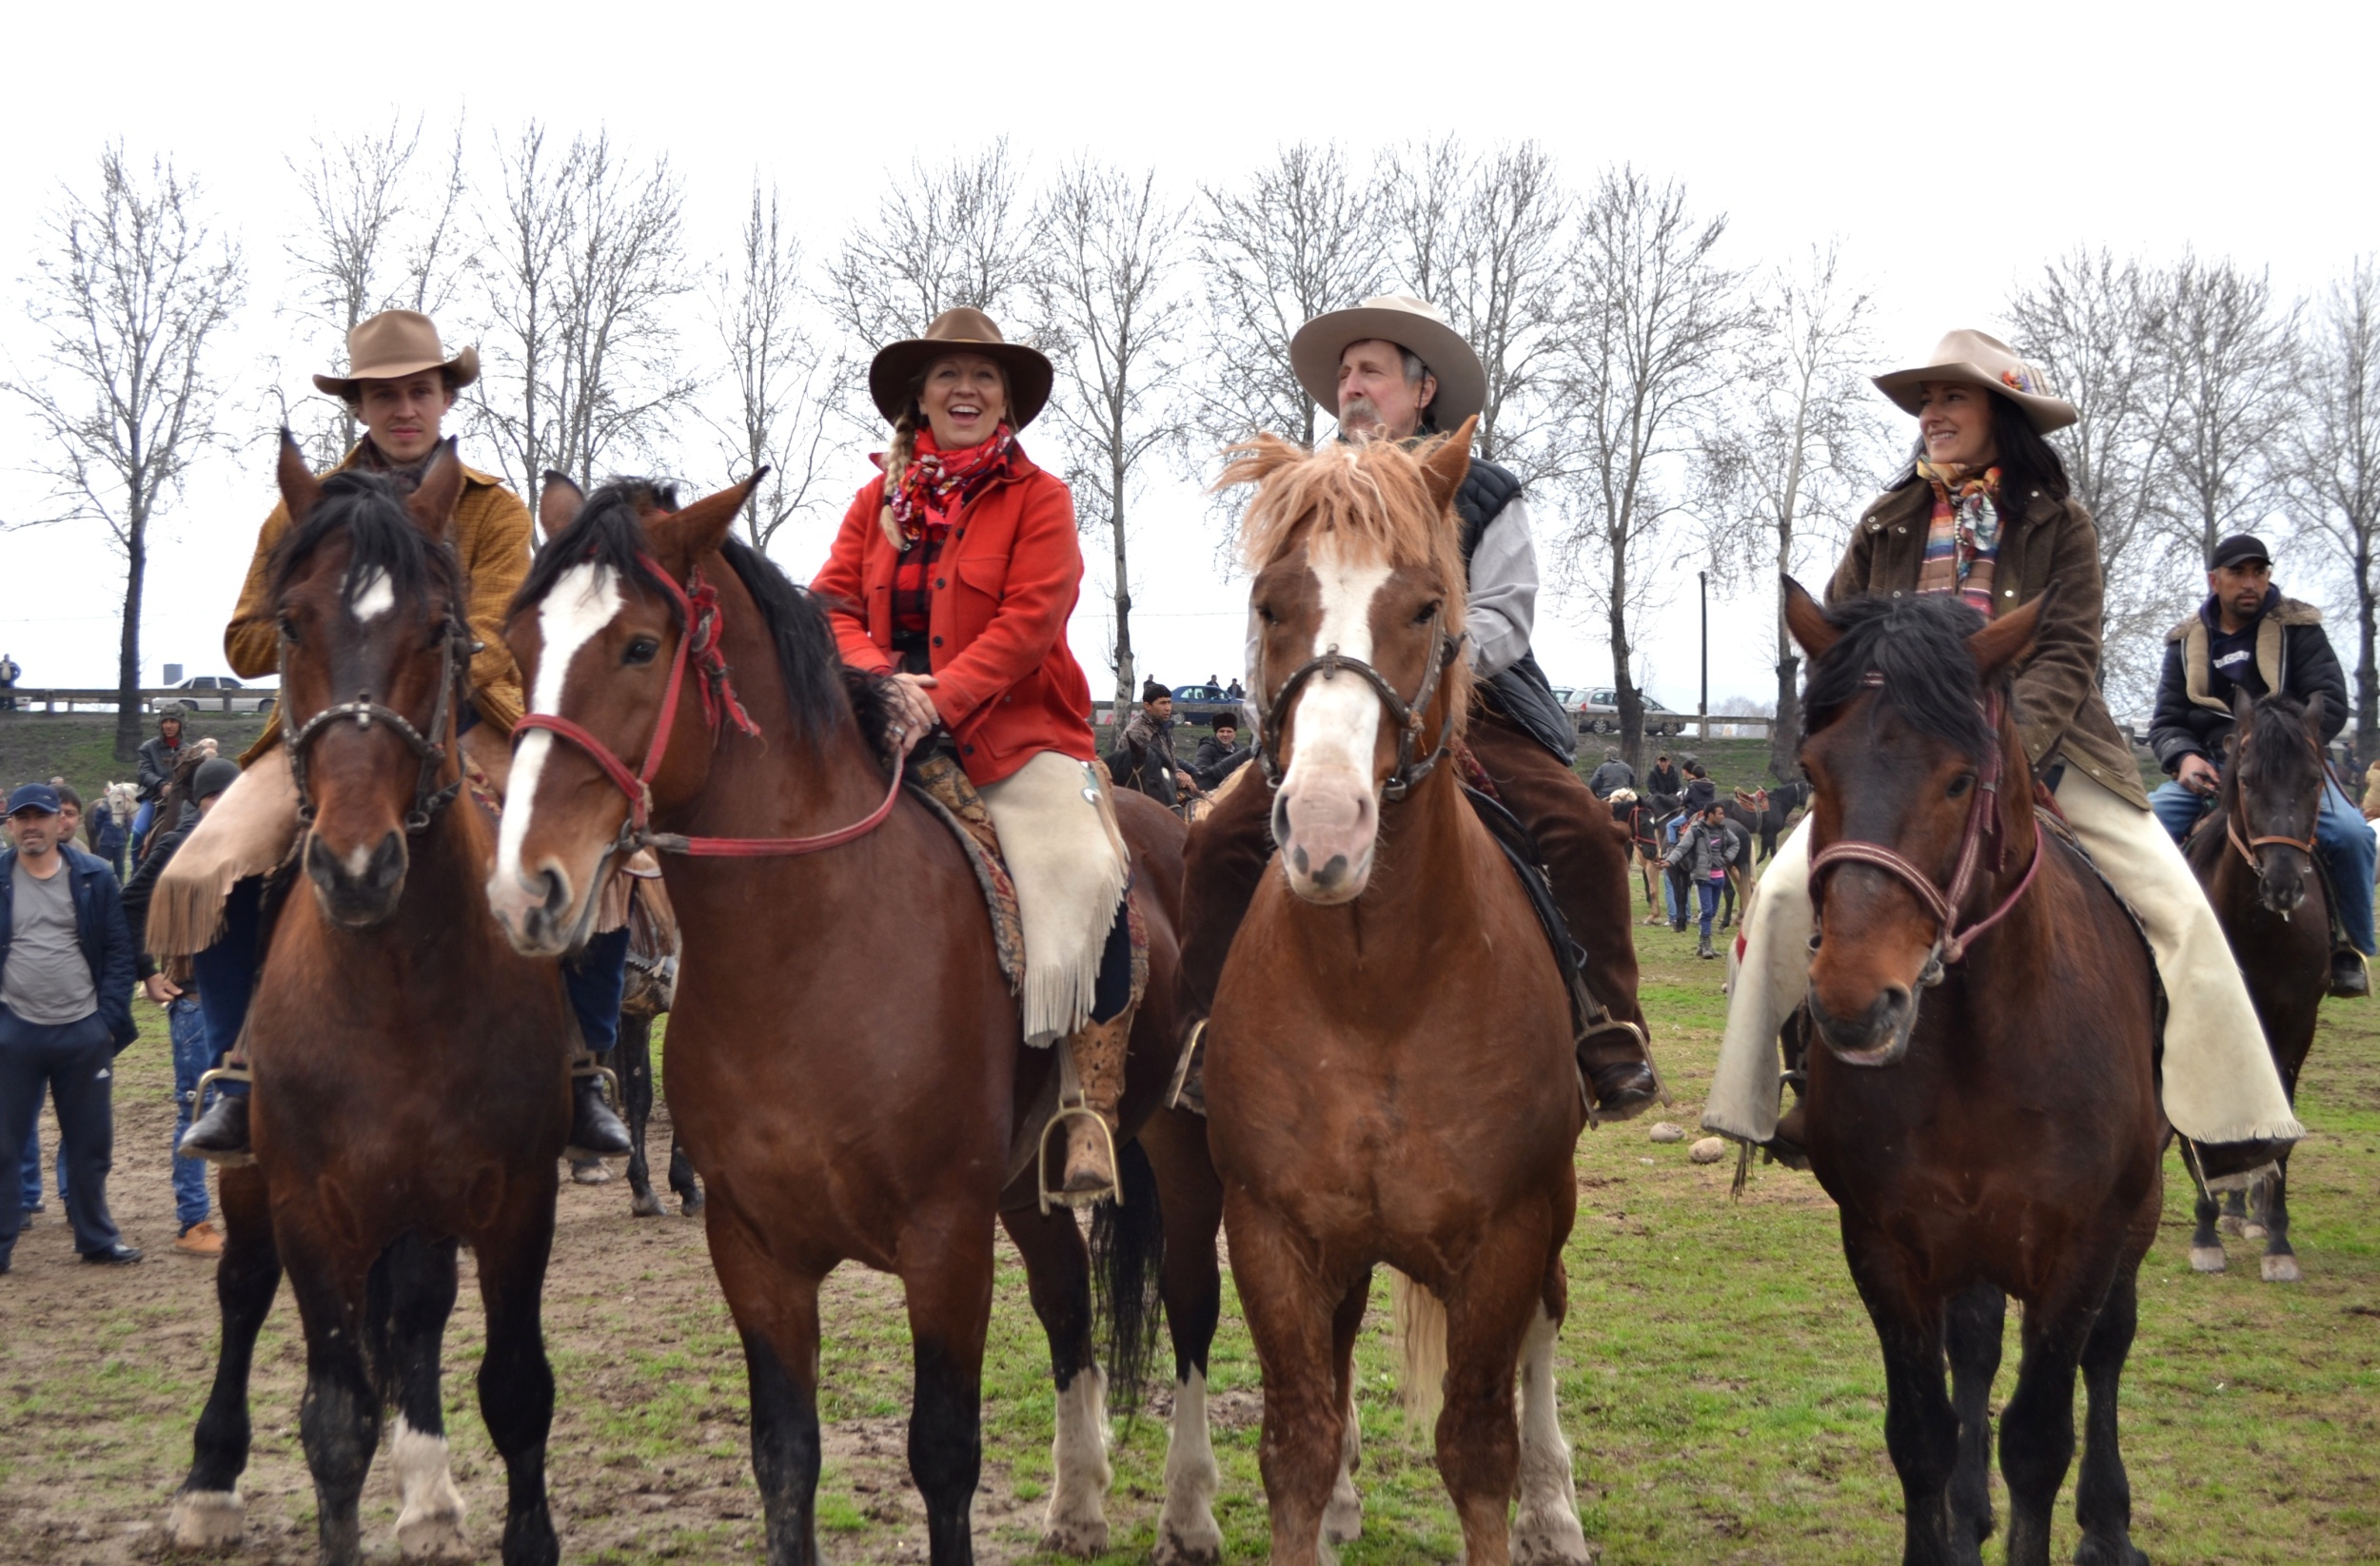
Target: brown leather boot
(1097,1049)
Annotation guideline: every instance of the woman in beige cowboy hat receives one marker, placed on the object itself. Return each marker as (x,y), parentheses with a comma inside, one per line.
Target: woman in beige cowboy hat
(954,576)
(1984,512)
(399,384)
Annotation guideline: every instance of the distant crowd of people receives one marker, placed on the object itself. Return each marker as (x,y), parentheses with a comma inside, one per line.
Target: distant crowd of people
(1143,756)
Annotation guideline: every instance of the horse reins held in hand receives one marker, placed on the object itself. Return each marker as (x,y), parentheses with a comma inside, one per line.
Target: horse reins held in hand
(1406,716)
(1951,943)
(699,610)
(428,800)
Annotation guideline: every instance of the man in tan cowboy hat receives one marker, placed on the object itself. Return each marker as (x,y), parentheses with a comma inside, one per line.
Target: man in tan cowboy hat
(399,384)
(1393,369)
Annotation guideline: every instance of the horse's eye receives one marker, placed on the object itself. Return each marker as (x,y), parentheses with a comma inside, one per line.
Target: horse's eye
(288,630)
(1264,613)
(1959,785)
(642,650)
(1427,612)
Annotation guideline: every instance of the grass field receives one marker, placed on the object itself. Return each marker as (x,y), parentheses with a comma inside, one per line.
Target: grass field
(1720,1384)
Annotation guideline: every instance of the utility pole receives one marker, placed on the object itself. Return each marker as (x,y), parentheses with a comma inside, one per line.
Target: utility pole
(1704,712)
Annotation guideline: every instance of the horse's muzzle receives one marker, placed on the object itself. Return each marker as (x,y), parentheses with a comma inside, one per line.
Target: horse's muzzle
(1326,829)
(361,888)
(535,909)
(1877,1036)
(2282,888)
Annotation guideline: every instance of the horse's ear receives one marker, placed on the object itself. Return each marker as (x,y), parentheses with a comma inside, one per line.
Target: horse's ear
(1808,622)
(681,538)
(432,502)
(2003,645)
(1447,462)
(557,502)
(2243,708)
(299,487)
(2313,719)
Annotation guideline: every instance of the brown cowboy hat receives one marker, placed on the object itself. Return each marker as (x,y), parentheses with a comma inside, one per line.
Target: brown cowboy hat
(962,330)
(395,344)
(1981,359)
(1416,325)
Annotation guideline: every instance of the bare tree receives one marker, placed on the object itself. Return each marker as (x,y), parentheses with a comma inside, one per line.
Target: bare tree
(1295,240)
(1112,324)
(578,272)
(378,234)
(2092,325)
(780,376)
(1491,240)
(2334,462)
(2226,354)
(129,289)
(1788,465)
(1658,322)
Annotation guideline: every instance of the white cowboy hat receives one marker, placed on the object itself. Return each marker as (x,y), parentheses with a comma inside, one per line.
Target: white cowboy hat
(1414,325)
(1981,359)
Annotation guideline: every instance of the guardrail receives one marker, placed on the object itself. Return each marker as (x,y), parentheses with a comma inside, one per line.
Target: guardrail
(60,699)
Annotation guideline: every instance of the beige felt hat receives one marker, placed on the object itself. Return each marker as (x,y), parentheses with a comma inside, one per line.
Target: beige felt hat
(394,344)
(961,330)
(1981,359)
(1414,325)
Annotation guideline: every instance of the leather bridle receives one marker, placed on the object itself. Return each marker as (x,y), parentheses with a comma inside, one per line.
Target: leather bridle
(2235,816)
(1406,716)
(455,648)
(1983,823)
(702,623)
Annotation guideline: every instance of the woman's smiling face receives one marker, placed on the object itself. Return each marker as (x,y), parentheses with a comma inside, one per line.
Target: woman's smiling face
(964,398)
(1955,421)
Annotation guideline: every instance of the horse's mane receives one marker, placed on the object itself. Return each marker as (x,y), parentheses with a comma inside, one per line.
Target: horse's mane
(2275,747)
(609,529)
(1918,645)
(382,534)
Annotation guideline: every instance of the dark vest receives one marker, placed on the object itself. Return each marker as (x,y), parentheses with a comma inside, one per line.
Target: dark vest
(1522,693)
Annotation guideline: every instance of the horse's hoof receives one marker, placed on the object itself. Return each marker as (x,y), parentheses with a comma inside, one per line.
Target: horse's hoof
(1199,1547)
(645,1205)
(207,1519)
(1343,1519)
(1081,1537)
(2232,1224)
(1551,1538)
(2253,1230)
(590,1173)
(2207,1258)
(2282,1269)
(435,1536)
(690,1205)
(2097,1552)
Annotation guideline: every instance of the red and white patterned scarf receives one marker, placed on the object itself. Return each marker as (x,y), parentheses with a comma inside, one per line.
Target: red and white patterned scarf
(938,482)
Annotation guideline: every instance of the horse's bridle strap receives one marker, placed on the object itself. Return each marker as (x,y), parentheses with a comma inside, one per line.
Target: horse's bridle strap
(428,799)
(1405,716)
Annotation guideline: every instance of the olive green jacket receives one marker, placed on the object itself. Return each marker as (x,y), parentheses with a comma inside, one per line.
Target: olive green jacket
(2060,713)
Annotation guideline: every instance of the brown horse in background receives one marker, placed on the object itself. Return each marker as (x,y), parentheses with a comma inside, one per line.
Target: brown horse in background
(2003,1137)
(2255,856)
(1390,1074)
(411,1069)
(845,1055)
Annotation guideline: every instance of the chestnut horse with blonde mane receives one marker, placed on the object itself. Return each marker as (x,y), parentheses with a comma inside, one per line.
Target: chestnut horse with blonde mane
(1390,1073)
(845,1054)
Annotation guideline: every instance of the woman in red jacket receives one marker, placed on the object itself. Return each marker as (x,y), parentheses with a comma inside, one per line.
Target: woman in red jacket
(953,575)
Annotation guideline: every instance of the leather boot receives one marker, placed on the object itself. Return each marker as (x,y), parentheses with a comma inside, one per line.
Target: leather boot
(595,1131)
(2350,978)
(1097,1049)
(220,1135)
(1703,947)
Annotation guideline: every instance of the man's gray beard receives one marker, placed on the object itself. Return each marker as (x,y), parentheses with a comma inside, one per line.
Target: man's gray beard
(1361,417)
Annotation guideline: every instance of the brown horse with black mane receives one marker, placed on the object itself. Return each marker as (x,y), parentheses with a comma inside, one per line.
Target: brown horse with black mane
(2256,858)
(2001,1138)
(845,1055)
(411,1069)
(1390,1071)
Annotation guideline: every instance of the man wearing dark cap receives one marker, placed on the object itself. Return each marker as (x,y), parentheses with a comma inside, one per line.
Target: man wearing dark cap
(2247,638)
(1144,759)
(66,1008)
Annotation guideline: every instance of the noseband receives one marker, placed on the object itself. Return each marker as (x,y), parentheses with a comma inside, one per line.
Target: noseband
(1983,821)
(455,648)
(1406,716)
(698,613)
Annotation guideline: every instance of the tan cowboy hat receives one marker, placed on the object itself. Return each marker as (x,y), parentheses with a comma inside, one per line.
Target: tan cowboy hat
(961,330)
(1414,325)
(394,344)
(1981,359)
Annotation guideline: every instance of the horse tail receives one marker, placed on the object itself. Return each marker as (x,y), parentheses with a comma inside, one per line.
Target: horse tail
(1421,1341)
(1128,1276)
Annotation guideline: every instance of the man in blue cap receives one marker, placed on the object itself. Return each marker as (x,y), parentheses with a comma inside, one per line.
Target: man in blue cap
(66,1008)
(2248,637)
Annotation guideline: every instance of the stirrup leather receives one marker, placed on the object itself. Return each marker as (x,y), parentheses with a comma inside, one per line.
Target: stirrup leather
(1074,1104)
(585,1065)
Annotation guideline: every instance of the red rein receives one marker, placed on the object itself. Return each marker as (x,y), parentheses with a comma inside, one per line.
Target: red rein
(697,602)
(1982,822)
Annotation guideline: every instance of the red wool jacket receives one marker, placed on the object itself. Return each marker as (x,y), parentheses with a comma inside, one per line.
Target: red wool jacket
(1007,687)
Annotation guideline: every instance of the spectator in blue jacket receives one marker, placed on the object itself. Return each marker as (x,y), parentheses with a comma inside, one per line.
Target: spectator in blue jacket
(67,967)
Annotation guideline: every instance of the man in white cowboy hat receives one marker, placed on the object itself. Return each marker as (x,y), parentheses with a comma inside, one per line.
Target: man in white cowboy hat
(1393,369)
(399,384)
(1984,513)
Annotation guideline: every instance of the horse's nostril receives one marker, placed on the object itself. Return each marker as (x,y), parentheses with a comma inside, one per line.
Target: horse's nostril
(1299,857)
(1331,873)
(556,890)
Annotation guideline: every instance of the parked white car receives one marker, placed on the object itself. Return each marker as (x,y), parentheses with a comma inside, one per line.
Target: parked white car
(217,693)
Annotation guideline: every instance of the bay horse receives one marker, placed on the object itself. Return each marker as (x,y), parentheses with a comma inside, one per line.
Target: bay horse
(2255,856)
(845,1055)
(411,1069)
(2002,1137)
(1767,812)
(1390,1072)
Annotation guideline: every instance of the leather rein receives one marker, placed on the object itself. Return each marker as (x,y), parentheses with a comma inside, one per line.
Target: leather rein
(1983,823)
(700,616)
(1406,716)
(455,648)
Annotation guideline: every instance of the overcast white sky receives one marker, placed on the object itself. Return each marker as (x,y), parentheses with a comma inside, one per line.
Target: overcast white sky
(1952,149)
